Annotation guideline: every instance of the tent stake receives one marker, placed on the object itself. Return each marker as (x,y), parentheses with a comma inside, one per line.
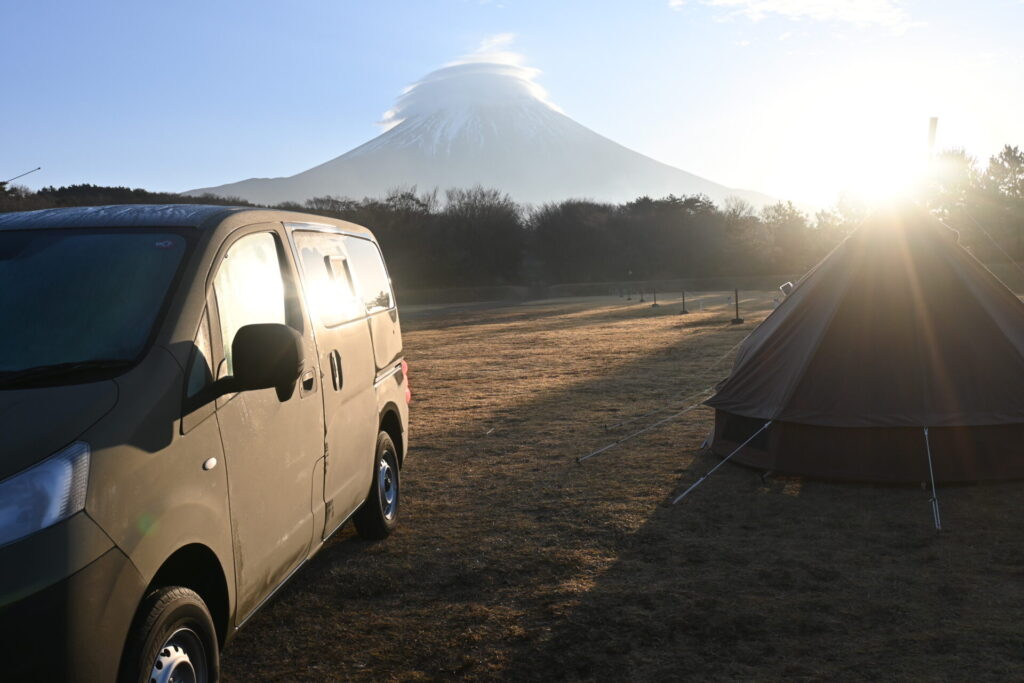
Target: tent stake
(724,460)
(931,473)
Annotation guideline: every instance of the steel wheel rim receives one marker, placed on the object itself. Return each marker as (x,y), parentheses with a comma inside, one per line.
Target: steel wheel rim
(181,659)
(387,487)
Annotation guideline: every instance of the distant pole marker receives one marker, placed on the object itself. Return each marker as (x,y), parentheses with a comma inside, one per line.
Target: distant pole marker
(737,320)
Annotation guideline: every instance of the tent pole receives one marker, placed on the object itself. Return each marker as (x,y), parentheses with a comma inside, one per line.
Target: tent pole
(724,460)
(931,473)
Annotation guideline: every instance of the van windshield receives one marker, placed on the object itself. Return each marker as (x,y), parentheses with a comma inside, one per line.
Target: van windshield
(78,306)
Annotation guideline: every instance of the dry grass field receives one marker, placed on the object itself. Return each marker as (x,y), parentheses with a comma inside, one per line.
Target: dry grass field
(513,562)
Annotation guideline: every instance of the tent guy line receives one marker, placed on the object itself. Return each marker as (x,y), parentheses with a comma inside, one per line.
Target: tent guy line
(685,401)
(720,463)
(676,395)
(648,428)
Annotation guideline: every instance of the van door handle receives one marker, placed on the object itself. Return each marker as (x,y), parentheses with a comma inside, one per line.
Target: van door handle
(337,378)
(308,380)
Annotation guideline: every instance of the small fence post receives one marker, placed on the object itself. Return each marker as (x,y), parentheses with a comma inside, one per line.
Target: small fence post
(737,320)
(684,311)
(654,290)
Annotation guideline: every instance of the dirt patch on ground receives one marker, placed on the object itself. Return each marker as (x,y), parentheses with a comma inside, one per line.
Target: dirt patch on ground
(514,562)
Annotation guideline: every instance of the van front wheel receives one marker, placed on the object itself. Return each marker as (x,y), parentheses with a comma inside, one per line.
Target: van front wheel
(378,515)
(173,640)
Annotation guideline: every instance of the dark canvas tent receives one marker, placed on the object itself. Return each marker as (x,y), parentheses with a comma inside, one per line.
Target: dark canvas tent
(898,329)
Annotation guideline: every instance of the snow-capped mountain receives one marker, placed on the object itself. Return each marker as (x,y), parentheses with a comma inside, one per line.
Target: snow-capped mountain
(485,123)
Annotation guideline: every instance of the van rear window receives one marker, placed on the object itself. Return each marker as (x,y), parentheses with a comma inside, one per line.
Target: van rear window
(327,277)
(369,271)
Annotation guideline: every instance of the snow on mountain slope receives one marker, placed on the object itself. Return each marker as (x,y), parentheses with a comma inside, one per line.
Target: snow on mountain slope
(482,122)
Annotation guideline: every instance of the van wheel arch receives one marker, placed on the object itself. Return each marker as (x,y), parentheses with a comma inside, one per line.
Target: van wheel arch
(196,567)
(391,423)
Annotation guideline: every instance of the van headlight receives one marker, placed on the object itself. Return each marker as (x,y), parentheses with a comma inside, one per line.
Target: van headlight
(44,494)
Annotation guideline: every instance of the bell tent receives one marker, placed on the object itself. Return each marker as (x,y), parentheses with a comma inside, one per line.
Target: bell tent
(897,330)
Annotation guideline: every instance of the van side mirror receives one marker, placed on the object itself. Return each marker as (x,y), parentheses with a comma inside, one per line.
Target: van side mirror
(263,356)
(266,355)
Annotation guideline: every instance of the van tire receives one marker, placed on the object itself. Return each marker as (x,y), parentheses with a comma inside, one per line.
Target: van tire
(377,517)
(172,618)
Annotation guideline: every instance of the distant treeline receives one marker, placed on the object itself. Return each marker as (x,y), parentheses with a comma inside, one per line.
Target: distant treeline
(478,237)
(984,203)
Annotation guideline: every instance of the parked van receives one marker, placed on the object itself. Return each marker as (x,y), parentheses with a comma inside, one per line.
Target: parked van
(192,400)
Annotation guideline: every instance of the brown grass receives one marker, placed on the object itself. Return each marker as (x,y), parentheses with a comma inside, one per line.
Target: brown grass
(513,562)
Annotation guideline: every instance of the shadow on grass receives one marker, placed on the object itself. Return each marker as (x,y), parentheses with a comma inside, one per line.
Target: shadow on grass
(496,517)
(765,579)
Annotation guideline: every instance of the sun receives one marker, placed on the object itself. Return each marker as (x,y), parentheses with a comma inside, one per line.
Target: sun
(858,130)
(887,175)
(868,155)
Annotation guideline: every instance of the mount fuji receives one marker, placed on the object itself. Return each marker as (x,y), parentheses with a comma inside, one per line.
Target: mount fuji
(484,121)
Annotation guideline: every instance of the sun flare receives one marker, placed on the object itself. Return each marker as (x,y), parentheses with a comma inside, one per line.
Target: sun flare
(871,182)
(867,157)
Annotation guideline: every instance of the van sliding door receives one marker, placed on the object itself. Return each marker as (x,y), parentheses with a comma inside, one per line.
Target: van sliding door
(345,351)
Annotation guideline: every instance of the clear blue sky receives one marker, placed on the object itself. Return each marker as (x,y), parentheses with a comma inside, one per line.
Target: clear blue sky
(796,98)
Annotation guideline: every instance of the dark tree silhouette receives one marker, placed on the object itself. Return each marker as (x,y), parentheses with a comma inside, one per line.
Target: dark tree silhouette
(478,236)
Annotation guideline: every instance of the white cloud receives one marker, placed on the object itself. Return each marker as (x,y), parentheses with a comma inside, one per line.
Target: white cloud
(490,75)
(676,4)
(886,13)
(498,40)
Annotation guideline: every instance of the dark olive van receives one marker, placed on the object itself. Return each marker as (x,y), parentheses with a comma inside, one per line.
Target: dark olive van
(192,399)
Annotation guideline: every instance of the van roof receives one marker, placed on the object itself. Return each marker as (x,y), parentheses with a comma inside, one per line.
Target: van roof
(123,215)
(153,215)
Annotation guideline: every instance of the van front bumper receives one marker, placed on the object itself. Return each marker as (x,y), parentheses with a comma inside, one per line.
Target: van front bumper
(67,598)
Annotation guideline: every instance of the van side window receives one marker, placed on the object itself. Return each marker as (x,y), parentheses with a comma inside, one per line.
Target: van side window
(368,268)
(327,277)
(249,287)
(199,373)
